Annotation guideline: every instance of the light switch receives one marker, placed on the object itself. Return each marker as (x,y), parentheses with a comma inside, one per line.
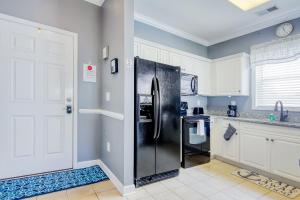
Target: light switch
(108,146)
(105,53)
(107,96)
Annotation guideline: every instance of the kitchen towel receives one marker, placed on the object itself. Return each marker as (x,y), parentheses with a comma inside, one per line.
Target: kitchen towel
(199,137)
(229,132)
(200,127)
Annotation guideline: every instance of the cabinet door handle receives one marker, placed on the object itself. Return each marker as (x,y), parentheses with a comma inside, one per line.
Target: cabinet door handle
(267,139)
(272,140)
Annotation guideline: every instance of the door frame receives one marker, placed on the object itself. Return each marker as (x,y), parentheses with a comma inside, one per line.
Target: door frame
(75,72)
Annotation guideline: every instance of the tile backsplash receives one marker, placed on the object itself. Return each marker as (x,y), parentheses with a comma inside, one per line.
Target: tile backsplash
(218,106)
(195,101)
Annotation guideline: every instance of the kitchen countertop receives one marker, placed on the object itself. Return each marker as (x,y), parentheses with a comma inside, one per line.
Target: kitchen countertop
(259,121)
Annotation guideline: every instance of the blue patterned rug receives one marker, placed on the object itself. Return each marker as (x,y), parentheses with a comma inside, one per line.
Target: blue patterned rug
(12,189)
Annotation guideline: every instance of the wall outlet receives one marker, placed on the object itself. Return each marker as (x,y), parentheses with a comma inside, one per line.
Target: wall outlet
(107,96)
(108,146)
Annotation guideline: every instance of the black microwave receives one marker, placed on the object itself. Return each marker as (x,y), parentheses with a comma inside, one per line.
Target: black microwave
(189,84)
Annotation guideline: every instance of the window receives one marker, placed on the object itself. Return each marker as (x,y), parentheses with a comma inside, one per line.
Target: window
(279,81)
(276,74)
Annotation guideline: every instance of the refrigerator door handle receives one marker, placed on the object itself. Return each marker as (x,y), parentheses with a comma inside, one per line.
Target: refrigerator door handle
(159,109)
(155,107)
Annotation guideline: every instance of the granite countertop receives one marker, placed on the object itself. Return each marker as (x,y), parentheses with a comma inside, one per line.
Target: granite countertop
(259,121)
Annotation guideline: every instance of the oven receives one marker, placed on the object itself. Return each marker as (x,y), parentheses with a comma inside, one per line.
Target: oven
(195,143)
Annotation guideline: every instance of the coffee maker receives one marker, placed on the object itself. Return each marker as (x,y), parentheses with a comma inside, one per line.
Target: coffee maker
(232,112)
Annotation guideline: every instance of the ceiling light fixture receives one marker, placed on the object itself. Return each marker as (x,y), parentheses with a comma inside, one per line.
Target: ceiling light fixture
(248,4)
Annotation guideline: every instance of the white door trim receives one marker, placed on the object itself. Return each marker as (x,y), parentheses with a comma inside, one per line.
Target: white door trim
(75,69)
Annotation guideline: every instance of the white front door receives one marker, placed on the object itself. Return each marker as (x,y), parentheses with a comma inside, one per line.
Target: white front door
(36,84)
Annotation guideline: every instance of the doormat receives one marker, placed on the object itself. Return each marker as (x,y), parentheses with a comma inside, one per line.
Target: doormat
(273,185)
(25,187)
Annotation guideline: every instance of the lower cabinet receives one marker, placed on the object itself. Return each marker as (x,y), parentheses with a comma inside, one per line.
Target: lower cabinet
(269,148)
(254,149)
(230,148)
(273,150)
(285,158)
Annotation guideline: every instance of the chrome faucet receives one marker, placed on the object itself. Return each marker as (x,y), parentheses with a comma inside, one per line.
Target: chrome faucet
(283,115)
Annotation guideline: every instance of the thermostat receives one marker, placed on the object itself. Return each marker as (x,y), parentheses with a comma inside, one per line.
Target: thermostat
(114,66)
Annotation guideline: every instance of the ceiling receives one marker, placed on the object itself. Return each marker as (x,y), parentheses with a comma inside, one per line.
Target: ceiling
(211,21)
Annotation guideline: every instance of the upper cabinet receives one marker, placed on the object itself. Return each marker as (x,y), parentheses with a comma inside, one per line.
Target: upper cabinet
(148,52)
(189,64)
(228,76)
(231,75)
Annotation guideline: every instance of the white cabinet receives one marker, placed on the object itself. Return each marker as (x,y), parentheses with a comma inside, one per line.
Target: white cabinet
(148,52)
(275,150)
(285,157)
(203,70)
(231,75)
(269,148)
(164,56)
(136,49)
(184,62)
(228,76)
(230,148)
(254,148)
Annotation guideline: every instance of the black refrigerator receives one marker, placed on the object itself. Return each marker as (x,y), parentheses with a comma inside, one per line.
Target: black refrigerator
(157,121)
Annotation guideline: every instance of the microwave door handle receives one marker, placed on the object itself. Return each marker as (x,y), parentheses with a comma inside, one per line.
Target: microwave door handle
(195,81)
(193,84)
(159,110)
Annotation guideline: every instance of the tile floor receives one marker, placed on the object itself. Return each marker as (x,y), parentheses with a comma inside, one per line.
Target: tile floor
(212,181)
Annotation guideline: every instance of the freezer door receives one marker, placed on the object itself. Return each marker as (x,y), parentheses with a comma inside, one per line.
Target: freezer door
(144,73)
(144,123)
(168,138)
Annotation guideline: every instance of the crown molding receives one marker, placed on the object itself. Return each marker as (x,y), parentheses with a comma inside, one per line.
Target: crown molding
(271,21)
(152,22)
(96,2)
(292,14)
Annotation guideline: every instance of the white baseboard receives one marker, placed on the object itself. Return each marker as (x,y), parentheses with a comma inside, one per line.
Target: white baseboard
(84,164)
(123,189)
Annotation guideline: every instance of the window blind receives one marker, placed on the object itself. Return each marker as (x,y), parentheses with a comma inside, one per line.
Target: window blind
(278,81)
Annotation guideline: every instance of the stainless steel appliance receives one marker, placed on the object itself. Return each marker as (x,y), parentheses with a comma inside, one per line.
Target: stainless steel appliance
(157,121)
(195,146)
(189,84)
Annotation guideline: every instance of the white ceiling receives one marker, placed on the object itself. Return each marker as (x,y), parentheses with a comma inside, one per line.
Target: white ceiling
(211,21)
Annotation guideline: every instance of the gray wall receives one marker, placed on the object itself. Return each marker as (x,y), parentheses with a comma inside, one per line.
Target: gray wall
(153,34)
(243,44)
(83,18)
(117,21)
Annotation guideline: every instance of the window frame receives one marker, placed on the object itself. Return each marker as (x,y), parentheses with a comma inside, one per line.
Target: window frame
(253,95)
